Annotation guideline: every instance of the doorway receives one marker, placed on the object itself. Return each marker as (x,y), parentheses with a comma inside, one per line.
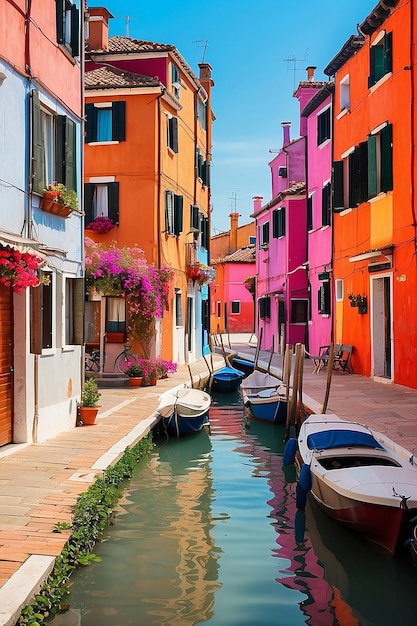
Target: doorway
(6,365)
(381,327)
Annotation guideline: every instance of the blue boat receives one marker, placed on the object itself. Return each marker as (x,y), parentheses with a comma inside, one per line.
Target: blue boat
(227,379)
(244,365)
(184,411)
(265,397)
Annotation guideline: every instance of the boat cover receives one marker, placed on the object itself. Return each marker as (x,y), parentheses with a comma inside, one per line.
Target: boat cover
(326,439)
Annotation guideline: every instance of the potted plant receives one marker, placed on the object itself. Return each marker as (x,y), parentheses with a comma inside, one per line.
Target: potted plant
(90,397)
(59,200)
(135,374)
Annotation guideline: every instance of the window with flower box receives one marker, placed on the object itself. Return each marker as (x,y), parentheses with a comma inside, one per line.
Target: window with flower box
(101,199)
(53,147)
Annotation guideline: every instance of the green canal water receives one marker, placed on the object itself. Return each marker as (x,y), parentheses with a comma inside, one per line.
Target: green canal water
(207,531)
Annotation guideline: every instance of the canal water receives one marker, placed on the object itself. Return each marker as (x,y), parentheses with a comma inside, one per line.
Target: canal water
(207,531)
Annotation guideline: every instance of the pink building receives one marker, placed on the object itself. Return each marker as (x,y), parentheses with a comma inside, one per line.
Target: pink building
(318,115)
(282,288)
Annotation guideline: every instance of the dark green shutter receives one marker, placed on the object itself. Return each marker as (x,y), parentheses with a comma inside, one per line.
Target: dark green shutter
(363,171)
(119,121)
(388,52)
(338,197)
(38,146)
(178,214)
(386,158)
(372,164)
(60,149)
(275,224)
(353,178)
(88,203)
(70,157)
(173,125)
(36,320)
(90,123)
(113,196)
(205,315)
(75,31)
(60,21)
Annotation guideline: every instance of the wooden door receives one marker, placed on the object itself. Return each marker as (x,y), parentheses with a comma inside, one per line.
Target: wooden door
(6,365)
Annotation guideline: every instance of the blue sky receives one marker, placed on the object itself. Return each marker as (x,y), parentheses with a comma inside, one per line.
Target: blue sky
(247,44)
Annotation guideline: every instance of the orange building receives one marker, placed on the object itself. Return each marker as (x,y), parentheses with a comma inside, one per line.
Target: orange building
(147,168)
(375,262)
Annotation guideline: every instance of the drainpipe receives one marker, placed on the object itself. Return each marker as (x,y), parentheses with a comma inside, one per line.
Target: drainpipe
(158,212)
(412,122)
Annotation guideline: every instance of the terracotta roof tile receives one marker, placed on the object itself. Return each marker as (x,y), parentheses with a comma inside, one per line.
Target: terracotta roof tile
(243,255)
(110,77)
(294,190)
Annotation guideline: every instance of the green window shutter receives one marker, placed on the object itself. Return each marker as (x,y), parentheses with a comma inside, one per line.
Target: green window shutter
(379,61)
(173,128)
(36,294)
(75,31)
(363,172)
(386,159)
(338,197)
(60,149)
(169,212)
(38,147)
(325,205)
(372,164)
(91,123)
(113,194)
(70,156)
(178,214)
(275,224)
(78,311)
(353,178)
(119,121)
(388,52)
(88,202)
(60,17)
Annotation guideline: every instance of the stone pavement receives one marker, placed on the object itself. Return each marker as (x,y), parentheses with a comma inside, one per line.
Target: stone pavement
(40,483)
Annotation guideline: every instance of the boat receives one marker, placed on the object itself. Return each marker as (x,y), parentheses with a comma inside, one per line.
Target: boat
(244,365)
(359,477)
(184,411)
(227,379)
(265,397)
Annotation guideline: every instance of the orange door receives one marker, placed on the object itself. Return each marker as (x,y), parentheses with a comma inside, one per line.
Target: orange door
(6,365)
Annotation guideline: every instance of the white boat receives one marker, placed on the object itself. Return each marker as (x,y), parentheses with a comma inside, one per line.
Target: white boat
(361,478)
(184,411)
(265,397)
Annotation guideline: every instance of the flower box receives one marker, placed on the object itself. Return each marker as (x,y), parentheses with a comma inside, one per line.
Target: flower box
(115,337)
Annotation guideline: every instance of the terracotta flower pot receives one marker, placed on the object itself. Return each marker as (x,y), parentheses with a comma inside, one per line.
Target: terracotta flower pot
(88,414)
(135,381)
(152,380)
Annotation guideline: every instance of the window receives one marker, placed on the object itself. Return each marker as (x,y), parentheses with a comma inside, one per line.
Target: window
(339,289)
(205,235)
(172,134)
(264,235)
(219,308)
(68,26)
(345,92)
(252,241)
(299,311)
(105,122)
(42,310)
(278,222)
(202,168)
(73,311)
(115,315)
(323,126)
(175,77)
(179,315)
(101,199)
(202,113)
(53,146)
(350,178)
(380,178)
(325,205)
(173,213)
(282,172)
(380,59)
(264,306)
(324,298)
(236,307)
(310,212)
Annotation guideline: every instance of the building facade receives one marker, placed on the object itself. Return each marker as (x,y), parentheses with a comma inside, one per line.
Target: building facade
(41,300)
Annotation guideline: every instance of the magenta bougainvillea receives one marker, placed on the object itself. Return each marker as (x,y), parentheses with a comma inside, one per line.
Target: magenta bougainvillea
(101,224)
(124,272)
(18,270)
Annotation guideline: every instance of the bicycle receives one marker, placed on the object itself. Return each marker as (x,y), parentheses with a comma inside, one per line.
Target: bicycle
(122,362)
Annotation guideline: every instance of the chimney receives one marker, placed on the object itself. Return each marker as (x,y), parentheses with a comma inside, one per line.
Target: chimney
(98,29)
(257,203)
(234,219)
(286,129)
(310,73)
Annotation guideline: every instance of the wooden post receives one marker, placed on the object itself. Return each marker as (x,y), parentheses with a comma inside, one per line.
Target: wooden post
(329,378)
(300,406)
(271,355)
(292,404)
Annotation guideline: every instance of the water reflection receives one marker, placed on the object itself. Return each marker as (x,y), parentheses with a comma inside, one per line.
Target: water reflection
(208,532)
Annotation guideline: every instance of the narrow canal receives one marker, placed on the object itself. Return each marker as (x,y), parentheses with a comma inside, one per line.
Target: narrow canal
(208,532)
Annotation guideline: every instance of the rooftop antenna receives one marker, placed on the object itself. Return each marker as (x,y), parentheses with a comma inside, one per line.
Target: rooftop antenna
(127,19)
(233,203)
(203,44)
(292,64)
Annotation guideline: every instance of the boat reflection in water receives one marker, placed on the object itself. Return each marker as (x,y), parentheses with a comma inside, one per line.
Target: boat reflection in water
(300,569)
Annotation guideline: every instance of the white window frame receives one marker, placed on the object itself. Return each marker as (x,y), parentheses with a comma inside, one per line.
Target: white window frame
(339,289)
(345,92)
